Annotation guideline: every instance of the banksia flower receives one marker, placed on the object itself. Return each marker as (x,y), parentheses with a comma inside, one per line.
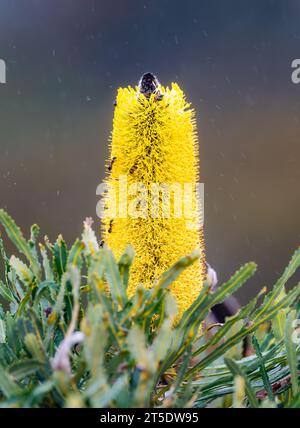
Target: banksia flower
(151,200)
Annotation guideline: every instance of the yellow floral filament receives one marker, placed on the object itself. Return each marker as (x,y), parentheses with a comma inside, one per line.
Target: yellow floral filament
(154,140)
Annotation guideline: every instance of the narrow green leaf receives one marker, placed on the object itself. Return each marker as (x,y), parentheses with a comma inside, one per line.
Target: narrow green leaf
(75,253)
(46,289)
(23,272)
(7,385)
(60,255)
(16,236)
(234,283)
(191,319)
(116,286)
(237,371)
(124,265)
(291,349)
(6,293)
(278,324)
(230,321)
(35,347)
(263,370)
(24,368)
(279,286)
(2,331)
(46,264)
(219,351)
(168,277)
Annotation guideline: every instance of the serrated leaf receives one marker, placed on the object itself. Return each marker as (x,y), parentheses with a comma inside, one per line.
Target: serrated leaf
(2,331)
(124,265)
(60,256)
(75,253)
(263,370)
(230,321)
(237,371)
(271,297)
(234,283)
(220,350)
(170,275)
(236,351)
(24,368)
(49,276)
(7,385)
(35,347)
(291,349)
(116,286)
(93,347)
(137,346)
(16,236)
(6,293)
(23,272)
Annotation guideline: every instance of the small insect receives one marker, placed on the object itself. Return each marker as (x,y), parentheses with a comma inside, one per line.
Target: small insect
(115,103)
(149,85)
(110,226)
(102,243)
(111,163)
(133,169)
(48,311)
(159,96)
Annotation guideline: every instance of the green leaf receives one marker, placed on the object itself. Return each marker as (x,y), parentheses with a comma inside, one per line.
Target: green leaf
(263,371)
(291,349)
(278,324)
(38,393)
(75,253)
(5,260)
(24,368)
(230,322)
(193,316)
(162,342)
(60,255)
(23,272)
(16,236)
(94,347)
(46,289)
(35,347)
(7,385)
(271,297)
(103,397)
(34,234)
(170,275)
(220,350)
(116,286)
(124,265)
(6,293)
(234,283)
(137,346)
(236,351)
(2,330)
(237,371)
(46,264)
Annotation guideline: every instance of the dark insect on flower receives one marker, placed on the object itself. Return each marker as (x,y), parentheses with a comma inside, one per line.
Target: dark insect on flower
(111,163)
(110,226)
(148,85)
(115,103)
(48,311)
(133,168)
(102,243)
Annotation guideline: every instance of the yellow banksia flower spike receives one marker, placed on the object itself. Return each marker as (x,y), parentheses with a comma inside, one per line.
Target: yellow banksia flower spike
(151,201)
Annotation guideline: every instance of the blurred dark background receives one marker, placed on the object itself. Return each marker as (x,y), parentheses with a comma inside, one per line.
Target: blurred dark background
(65,60)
